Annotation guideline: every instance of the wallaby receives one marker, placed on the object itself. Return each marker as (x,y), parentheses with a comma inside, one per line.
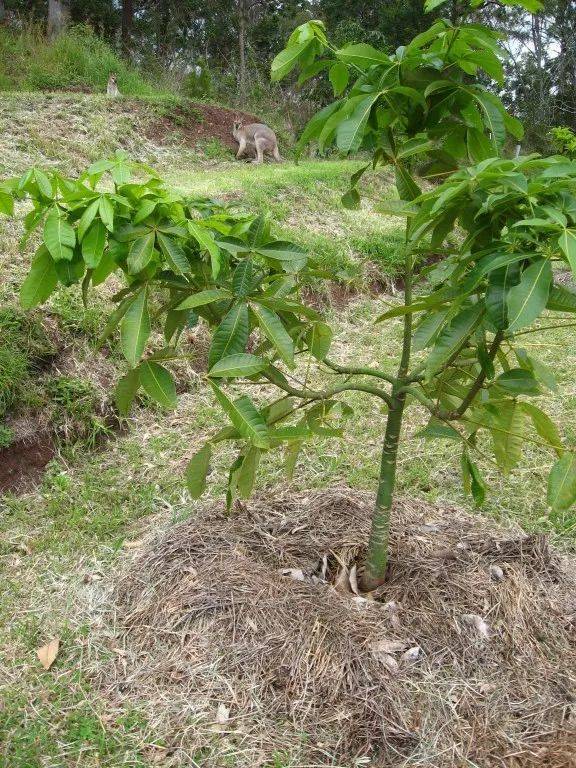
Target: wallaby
(258,138)
(112,87)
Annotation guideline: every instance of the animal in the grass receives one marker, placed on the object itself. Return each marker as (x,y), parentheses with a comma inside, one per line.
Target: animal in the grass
(256,139)
(112,87)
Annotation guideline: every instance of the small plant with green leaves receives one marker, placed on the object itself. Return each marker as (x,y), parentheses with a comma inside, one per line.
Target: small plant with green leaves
(564,141)
(461,359)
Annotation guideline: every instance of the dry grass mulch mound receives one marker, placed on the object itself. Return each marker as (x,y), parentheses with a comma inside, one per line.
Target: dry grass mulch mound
(245,638)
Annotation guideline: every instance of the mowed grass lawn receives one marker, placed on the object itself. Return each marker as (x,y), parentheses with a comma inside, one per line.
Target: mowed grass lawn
(61,543)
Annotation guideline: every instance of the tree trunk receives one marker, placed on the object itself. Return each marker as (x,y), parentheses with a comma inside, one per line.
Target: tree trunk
(376,562)
(162,29)
(58,17)
(2,12)
(127,19)
(242,49)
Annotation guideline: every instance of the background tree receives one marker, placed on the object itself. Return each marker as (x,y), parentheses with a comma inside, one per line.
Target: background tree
(58,16)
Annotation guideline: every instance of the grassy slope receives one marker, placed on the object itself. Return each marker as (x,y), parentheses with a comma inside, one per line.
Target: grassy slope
(57,543)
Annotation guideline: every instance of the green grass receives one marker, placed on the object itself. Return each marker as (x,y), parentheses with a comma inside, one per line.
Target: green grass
(75,59)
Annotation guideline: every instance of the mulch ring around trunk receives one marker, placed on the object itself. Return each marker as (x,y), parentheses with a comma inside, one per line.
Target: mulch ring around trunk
(246,640)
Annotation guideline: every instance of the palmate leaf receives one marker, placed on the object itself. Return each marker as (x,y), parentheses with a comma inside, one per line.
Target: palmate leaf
(197,471)
(135,327)
(59,236)
(292,257)
(158,383)
(173,253)
(245,417)
(206,241)
(126,390)
(496,297)
(527,300)
(93,244)
(562,483)
(362,55)
(141,252)
(231,336)
(338,76)
(287,59)
(273,328)
(41,280)
(234,366)
(452,338)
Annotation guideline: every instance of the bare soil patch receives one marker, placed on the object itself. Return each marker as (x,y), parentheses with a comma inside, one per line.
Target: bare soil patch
(199,122)
(245,638)
(23,462)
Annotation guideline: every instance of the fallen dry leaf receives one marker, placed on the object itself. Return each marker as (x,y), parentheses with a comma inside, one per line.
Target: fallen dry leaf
(47,653)
(294,573)
(388,646)
(476,621)
(412,654)
(222,714)
(496,572)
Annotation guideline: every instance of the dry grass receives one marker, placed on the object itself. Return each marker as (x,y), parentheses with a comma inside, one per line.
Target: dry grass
(241,663)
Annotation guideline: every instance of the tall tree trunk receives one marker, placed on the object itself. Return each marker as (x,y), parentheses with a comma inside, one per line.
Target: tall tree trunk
(242,49)
(163,22)
(127,19)
(2,12)
(58,17)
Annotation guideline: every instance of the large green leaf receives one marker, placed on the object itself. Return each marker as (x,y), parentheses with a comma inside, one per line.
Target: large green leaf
(174,254)
(292,257)
(338,76)
(453,337)
(561,299)
(206,241)
(126,390)
(287,59)
(274,330)
(518,381)
(319,340)
(202,298)
(234,366)
(247,474)
(87,218)
(527,300)
(106,211)
(509,422)
(242,279)
(141,252)
(158,383)
(429,328)
(231,336)
(544,426)
(362,55)
(244,416)
(562,483)
(93,244)
(496,299)
(197,471)
(59,236)
(40,281)
(350,132)
(135,328)
(567,243)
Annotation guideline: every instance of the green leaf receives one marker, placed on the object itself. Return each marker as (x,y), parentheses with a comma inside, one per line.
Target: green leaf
(158,383)
(40,281)
(231,336)
(93,244)
(508,423)
(287,59)
(135,328)
(429,328)
(493,117)
(293,257)
(407,187)
(518,381)
(241,364)
(562,483)
(319,340)
(453,337)
(206,241)
(274,330)
(59,236)
(242,278)
(351,199)
(141,252)
(439,429)
(202,298)
(561,299)
(69,272)
(567,243)
(106,211)
(472,479)
(197,471)
(496,299)
(174,254)
(126,390)
(247,474)
(338,76)
(544,426)
(147,207)
(362,55)
(244,416)
(528,299)
(350,132)
(6,203)
(430,5)
(315,125)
